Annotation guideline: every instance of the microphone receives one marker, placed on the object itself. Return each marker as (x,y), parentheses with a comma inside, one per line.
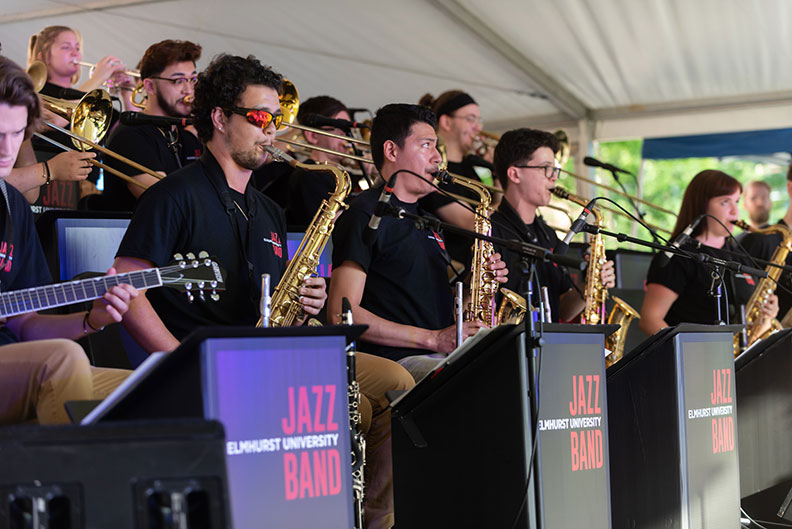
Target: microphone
(680,239)
(139,118)
(593,162)
(316,121)
(577,226)
(370,232)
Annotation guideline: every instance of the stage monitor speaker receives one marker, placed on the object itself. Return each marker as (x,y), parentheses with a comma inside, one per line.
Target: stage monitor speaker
(125,475)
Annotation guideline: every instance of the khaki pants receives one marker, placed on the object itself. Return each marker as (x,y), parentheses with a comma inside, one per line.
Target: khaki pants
(38,377)
(377,375)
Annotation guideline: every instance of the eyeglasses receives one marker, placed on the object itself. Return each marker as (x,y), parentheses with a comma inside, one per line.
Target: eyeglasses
(470,119)
(178,81)
(549,170)
(258,117)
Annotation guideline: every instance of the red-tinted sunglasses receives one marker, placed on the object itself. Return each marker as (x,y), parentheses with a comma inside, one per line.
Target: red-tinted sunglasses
(258,117)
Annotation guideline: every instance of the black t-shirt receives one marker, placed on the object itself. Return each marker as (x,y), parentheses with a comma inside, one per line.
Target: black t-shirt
(763,247)
(507,224)
(459,246)
(272,179)
(406,279)
(148,146)
(22,261)
(307,190)
(692,280)
(193,210)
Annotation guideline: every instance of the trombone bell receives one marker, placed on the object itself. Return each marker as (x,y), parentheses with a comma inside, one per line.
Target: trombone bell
(89,117)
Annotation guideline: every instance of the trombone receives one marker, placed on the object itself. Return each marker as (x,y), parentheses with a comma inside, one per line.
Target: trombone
(89,119)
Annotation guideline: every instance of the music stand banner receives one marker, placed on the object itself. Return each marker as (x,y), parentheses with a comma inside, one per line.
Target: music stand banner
(707,428)
(283,402)
(573,431)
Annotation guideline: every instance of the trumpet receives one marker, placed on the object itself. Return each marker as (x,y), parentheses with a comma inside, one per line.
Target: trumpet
(92,66)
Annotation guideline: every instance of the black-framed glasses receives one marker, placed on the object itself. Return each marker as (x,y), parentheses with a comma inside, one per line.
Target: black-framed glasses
(258,117)
(549,170)
(178,81)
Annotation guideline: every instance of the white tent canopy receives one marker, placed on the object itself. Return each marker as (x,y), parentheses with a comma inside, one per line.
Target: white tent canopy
(603,69)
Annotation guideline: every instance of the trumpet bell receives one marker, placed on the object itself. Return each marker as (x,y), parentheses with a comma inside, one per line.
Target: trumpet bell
(89,117)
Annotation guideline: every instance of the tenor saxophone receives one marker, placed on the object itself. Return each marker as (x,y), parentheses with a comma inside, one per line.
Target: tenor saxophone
(483,282)
(766,286)
(285,300)
(597,294)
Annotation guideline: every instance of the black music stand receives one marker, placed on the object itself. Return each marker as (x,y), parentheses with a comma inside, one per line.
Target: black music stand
(764,404)
(674,450)
(462,437)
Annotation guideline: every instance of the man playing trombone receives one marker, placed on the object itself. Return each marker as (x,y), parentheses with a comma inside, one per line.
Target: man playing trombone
(168,74)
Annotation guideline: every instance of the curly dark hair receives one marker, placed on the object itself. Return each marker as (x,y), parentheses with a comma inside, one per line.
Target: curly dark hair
(518,146)
(394,122)
(162,54)
(16,89)
(221,84)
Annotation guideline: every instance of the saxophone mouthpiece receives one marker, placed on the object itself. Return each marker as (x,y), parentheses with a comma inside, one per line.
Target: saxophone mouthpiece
(442,175)
(560,192)
(742,225)
(277,154)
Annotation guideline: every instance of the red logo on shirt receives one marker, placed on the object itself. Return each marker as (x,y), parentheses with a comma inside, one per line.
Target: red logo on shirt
(6,256)
(748,279)
(439,240)
(277,247)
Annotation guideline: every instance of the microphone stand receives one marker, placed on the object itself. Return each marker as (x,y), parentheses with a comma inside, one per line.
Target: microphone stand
(715,264)
(356,151)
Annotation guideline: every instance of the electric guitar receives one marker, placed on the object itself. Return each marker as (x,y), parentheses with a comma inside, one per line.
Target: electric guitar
(194,276)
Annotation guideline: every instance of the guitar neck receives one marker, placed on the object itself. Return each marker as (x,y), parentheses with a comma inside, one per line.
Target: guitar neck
(62,294)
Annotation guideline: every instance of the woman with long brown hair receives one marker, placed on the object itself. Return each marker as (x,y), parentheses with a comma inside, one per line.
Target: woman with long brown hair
(681,290)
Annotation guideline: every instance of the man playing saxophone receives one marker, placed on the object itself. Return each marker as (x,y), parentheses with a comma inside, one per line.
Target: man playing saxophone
(398,285)
(526,167)
(211,205)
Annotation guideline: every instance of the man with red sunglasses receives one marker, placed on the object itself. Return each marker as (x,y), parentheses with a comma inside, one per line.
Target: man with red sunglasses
(211,205)
(168,74)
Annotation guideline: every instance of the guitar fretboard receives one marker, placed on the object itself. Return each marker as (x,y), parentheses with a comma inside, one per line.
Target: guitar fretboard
(58,295)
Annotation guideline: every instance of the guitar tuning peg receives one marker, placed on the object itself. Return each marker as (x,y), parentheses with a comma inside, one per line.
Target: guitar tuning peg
(188,286)
(215,296)
(190,297)
(203,254)
(201,285)
(207,262)
(178,257)
(213,284)
(190,255)
(196,264)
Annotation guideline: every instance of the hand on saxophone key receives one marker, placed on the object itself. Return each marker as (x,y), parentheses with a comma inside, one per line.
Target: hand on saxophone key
(608,275)
(313,295)
(770,307)
(498,267)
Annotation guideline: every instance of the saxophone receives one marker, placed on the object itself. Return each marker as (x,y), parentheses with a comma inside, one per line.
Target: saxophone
(285,305)
(596,293)
(766,286)
(483,283)
(285,301)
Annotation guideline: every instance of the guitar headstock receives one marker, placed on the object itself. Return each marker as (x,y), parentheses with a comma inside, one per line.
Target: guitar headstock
(195,276)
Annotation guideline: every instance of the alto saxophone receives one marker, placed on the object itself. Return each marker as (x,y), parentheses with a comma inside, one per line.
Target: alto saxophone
(483,283)
(597,294)
(766,286)
(285,300)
